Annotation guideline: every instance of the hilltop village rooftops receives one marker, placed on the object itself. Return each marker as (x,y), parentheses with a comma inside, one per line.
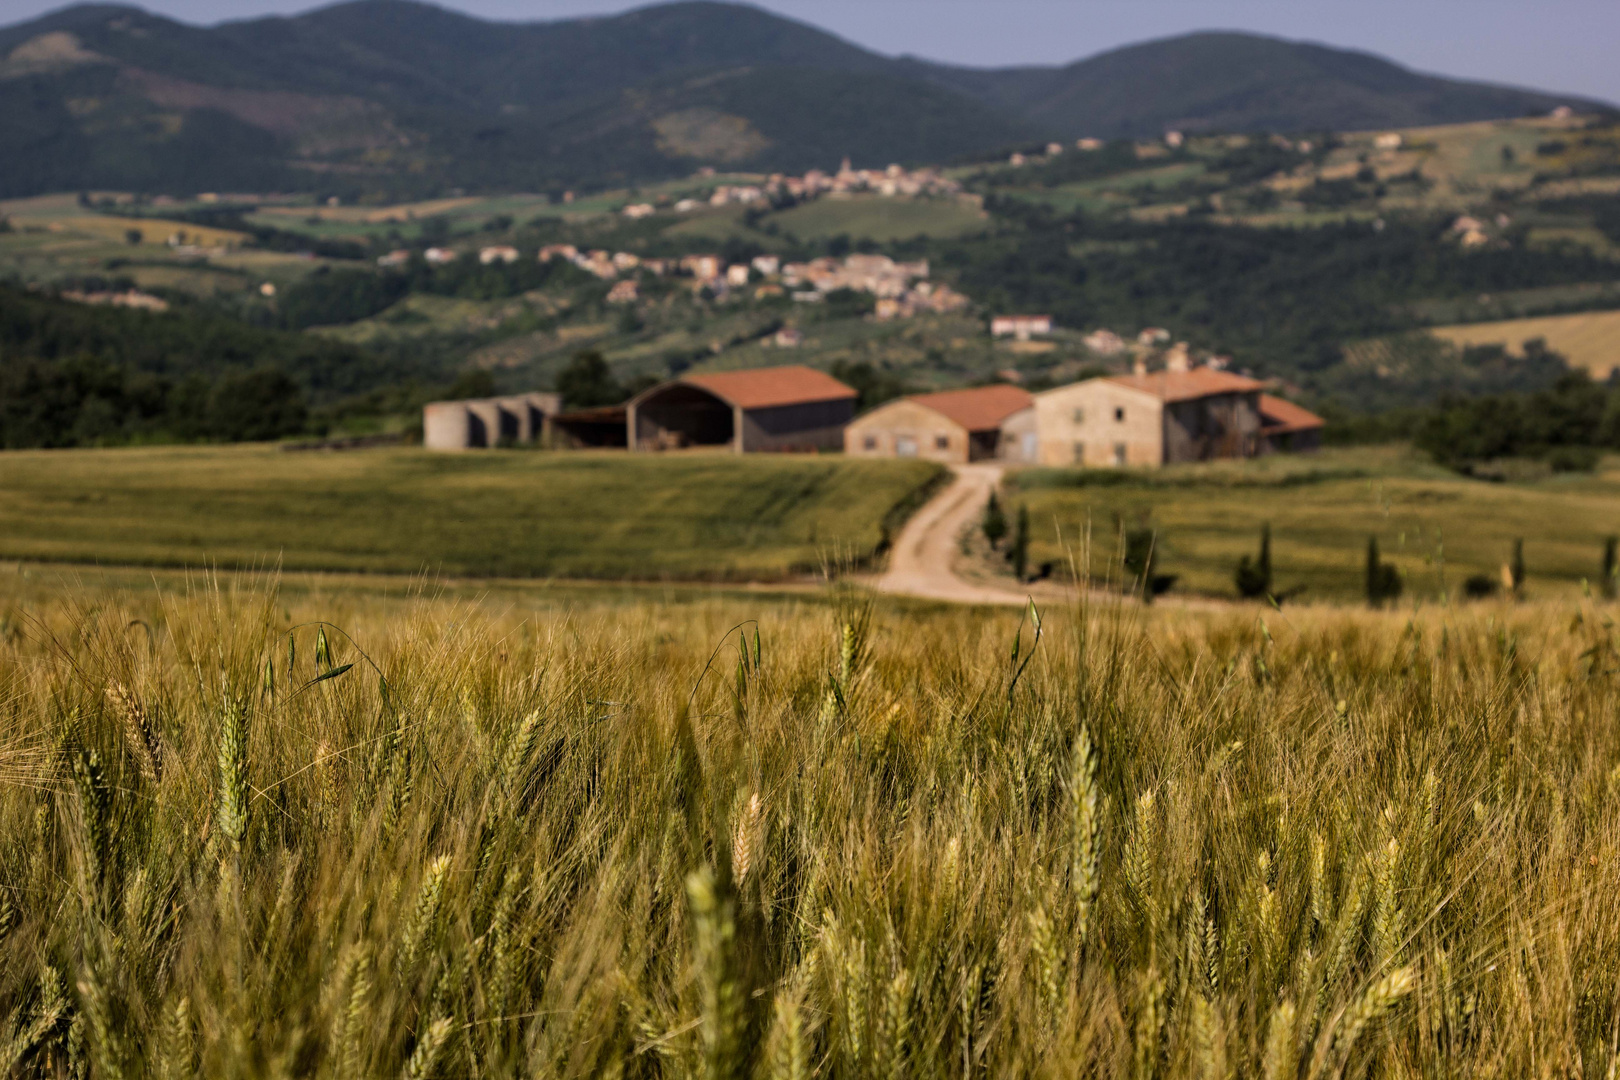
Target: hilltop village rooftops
(980,408)
(767,388)
(1171,386)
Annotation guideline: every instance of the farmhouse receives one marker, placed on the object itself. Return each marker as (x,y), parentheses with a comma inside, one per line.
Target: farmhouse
(955,426)
(486,422)
(780,408)
(1022,327)
(1286,427)
(1150,419)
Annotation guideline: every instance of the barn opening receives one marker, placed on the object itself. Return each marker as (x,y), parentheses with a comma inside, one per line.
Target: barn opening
(679,415)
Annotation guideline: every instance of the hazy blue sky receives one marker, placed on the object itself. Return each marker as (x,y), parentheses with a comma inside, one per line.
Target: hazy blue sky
(1567,45)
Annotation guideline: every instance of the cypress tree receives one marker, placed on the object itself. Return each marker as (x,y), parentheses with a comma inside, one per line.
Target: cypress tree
(1375,573)
(1611,565)
(1253,579)
(1020,545)
(1265,555)
(995,522)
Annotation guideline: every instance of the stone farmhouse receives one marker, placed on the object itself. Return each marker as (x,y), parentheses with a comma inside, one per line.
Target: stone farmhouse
(985,423)
(1156,418)
(791,408)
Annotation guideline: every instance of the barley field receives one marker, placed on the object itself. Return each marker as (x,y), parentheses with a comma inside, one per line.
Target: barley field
(251,829)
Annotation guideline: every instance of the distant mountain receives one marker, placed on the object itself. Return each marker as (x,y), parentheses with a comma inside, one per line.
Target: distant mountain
(1238,82)
(406,98)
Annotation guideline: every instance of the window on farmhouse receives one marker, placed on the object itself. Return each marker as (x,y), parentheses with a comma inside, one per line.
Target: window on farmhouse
(1079,416)
(1079,453)
(870,442)
(1119,414)
(942,442)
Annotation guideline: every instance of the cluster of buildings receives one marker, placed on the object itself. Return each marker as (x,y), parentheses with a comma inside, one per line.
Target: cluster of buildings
(902,288)
(1142,419)
(892,182)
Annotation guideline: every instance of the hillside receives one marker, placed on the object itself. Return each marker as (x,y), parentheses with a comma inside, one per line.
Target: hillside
(1238,82)
(403,97)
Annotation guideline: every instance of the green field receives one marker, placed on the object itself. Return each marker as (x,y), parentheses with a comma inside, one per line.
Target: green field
(1436,526)
(605,515)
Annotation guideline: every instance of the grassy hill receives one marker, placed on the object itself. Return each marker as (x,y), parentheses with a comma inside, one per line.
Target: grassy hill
(695,516)
(402,97)
(1437,527)
(1241,82)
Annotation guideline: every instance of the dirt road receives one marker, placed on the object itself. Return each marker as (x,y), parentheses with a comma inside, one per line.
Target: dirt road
(920,564)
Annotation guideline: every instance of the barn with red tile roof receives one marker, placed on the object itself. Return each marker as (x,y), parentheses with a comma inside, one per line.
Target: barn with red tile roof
(791,408)
(954,426)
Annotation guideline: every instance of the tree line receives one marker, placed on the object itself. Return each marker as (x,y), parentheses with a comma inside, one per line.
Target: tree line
(76,375)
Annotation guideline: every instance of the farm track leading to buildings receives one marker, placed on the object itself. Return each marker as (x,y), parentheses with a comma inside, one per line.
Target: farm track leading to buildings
(920,562)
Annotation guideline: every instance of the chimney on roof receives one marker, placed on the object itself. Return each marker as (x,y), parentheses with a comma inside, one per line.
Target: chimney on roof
(1139,367)
(1176,359)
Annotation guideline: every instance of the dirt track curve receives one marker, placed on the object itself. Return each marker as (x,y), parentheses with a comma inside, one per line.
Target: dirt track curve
(920,564)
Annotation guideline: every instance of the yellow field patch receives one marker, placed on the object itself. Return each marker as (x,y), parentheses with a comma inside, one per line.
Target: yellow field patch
(152,230)
(1590,340)
(373,215)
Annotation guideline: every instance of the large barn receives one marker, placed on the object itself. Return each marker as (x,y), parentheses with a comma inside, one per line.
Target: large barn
(953,426)
(792,408)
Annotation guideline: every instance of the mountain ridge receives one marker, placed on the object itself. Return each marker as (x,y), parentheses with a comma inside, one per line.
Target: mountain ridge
(411,97)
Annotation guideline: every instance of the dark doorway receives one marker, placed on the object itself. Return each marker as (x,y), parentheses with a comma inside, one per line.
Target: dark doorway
(680,415)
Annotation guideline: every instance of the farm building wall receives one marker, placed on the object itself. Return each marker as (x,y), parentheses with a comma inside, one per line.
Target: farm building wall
(486,422)
(1099,423)
(811,425)
(1020,438)
(904,428)
(1217,426)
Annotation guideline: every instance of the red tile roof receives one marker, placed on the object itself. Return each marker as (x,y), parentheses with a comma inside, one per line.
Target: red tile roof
(1280,417)
(1186,385)
(982,408)
(765,388)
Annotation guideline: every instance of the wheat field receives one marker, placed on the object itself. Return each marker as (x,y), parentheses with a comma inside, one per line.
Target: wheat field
(247,830)
(1591,340)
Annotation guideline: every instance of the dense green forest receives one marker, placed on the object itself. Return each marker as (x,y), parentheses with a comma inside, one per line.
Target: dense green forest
(1565,425)
(75,375)
(1284,300)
